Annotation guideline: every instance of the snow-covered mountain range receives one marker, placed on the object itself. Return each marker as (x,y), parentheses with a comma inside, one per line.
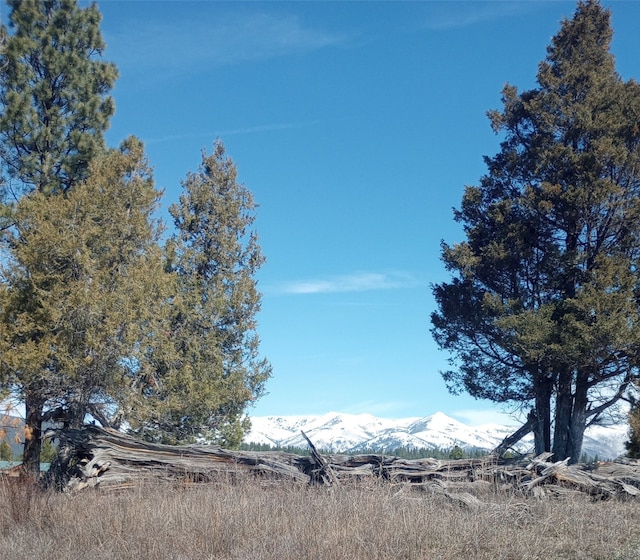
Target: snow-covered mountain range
(338,432)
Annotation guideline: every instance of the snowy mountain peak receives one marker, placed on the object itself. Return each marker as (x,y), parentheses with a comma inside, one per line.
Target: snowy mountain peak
(338,432)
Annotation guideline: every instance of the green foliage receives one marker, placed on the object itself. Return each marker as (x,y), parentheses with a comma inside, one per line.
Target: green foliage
(456,453)
(54,109)
(209,370)
(402,452)
(85,275)
(588,459)
(48,452)
(6,453)
(633,444)
(543,307)
(53,93)
(97,317)
(303,451)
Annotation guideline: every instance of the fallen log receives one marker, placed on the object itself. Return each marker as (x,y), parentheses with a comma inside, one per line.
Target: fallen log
(110,459)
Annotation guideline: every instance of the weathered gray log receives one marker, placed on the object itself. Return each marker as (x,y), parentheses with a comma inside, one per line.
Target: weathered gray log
(508,442)
(111,459)
(323,471)
(595,481)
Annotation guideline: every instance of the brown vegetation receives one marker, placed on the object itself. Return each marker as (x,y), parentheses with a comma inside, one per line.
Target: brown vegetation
(158,502)
(259,520)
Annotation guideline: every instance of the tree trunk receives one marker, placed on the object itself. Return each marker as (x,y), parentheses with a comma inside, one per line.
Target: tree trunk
(60,470)
(576,436)
(75,414)
(34,405)
(564,402)
(514,438)
(578,418)
(542,425)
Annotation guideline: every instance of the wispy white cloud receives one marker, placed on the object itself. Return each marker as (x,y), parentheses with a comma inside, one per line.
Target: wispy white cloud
(456,15)
(358,282)
(214,39)
(231,132)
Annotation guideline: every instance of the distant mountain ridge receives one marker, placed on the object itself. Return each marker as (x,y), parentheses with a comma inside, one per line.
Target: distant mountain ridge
(339,432)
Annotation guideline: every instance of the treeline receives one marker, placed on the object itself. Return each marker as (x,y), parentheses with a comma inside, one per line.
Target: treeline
(103,312)
(455,452)
(47,453)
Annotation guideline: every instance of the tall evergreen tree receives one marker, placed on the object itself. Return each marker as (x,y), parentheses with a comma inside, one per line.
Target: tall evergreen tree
(54,103)
(543,306)
(79,307)
(54,109)
(212,370)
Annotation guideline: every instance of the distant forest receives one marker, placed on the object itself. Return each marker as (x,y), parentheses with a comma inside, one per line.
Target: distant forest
(455,452)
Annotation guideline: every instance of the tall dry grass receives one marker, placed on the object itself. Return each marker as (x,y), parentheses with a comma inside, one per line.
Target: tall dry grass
(278,522)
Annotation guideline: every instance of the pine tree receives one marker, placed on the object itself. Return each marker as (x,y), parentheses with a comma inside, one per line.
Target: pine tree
(54,109)
(53,94)
(543,307)
(49,451)
(212,370)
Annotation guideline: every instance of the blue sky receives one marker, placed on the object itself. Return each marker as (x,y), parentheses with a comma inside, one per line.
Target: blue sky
(356,125)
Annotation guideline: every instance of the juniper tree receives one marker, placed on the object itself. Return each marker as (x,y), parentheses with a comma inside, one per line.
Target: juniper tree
(542,309)
(210,370)
(80,299)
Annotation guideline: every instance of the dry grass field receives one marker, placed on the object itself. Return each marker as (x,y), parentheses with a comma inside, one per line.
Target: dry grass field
(278,522)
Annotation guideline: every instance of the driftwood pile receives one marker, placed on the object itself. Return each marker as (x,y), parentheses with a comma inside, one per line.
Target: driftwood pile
(111,460)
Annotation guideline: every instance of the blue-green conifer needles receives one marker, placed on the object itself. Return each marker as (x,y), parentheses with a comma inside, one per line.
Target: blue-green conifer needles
(542,310)
(54,90)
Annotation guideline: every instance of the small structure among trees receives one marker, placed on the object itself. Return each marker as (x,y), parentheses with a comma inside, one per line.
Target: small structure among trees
(543,307)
